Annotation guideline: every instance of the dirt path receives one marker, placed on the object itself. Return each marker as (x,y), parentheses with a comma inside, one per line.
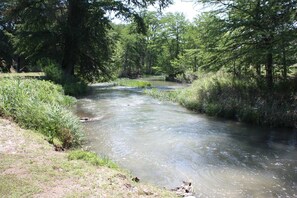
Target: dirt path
(29,167)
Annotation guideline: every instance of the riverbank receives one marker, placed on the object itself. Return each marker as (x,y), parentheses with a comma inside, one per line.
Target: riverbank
(245,100)
(31,167)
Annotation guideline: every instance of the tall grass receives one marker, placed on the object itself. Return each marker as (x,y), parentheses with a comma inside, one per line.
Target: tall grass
(132,83)
(221,95)
(41,106)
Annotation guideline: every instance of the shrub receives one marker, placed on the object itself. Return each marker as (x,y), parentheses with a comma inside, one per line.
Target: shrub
(72,85)
(42,106)
(75,87)
(51,70)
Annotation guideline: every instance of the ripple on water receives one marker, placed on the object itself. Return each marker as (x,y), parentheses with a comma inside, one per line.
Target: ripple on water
(165,144)
(235,182)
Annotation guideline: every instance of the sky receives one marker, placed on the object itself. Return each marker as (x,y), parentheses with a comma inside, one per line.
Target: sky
(189,8)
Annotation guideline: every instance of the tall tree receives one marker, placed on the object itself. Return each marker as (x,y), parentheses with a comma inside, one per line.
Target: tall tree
(259,29)
(72,32)
(171,40)
(6,52)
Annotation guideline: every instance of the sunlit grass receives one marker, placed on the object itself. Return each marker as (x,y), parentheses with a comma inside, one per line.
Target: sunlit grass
(92,158)
(42,106)
(222,95)
(132,83)
(23,74)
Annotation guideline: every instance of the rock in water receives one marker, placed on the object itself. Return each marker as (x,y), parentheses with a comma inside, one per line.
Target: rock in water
(185,190)
(135,179)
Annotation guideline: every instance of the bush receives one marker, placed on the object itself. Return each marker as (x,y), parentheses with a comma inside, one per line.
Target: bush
(72,85)
(75,87)
(41,106)
(51,70)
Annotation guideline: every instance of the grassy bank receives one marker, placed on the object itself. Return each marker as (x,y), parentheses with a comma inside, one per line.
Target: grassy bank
(41,106)
(132,83)
(241,99)
(29,167)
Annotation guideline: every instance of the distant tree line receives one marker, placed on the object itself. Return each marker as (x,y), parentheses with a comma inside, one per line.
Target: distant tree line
(72,34)
(254,38)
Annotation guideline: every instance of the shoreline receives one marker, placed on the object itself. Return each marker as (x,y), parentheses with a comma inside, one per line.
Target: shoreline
(30,166)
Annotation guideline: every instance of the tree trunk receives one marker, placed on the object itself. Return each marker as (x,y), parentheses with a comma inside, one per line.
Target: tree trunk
(69,58)
(258,70)
(285,71)
(125,70)
(269,70)
(234,69)
(195,64)
(72,35)
(19,64)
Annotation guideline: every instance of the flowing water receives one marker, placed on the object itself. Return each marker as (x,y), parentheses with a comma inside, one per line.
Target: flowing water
(164,144)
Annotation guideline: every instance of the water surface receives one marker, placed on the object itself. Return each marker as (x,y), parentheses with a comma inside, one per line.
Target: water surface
(164,144)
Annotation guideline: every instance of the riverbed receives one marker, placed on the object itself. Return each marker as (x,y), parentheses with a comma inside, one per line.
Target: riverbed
(164,144)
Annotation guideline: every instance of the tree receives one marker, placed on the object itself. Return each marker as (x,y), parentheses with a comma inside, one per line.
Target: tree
(171,42)
(74,33)
(163,42)
(6,52)
(259,30)
(130,51)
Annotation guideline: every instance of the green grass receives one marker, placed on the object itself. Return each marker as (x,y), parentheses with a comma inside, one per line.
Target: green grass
(23,74)
(42,106)
(92,158)
(163,95)
(240,99)
(132,83)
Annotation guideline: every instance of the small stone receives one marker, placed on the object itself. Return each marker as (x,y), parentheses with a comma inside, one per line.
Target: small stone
(135,179)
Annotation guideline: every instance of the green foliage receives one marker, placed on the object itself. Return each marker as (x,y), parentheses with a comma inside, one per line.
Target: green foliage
(253,34)
(51,70)
(92,158)
(41,106)
(71,84)
(6,50)
(73,33)
(255,39)
(74,87)
(132,83)
(152,53)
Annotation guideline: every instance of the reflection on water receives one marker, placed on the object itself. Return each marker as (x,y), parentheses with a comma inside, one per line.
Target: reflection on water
(163,143)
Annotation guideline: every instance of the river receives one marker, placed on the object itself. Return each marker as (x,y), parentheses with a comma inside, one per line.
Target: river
(164,144)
